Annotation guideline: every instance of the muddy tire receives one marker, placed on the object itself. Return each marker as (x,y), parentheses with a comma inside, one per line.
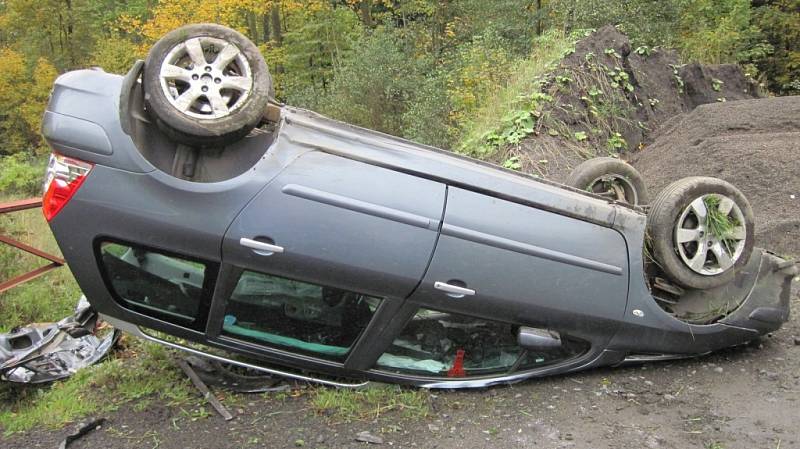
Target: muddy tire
(701,231)
(611,178)
(206,85)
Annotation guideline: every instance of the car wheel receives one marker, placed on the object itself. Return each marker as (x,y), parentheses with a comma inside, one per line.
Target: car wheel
(206,85)
(701,231)
(611,178)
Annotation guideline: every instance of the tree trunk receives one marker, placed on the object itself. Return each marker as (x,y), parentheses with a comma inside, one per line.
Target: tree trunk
(539,17)
(265,26)
(365,9)
(275,16)
(252,26)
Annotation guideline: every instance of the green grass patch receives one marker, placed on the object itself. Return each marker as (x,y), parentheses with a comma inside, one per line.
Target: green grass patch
(370,403)
(47,298)
(143,371)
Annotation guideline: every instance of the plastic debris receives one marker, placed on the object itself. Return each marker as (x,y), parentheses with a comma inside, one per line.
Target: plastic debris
(82,430)
(40,353)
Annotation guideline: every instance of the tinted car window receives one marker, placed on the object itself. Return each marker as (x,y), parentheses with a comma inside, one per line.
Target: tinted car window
(165,286)
(451,345)
(297,316)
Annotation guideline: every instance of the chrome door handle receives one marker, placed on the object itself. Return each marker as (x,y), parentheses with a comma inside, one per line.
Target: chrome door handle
(260,248)
(453,291)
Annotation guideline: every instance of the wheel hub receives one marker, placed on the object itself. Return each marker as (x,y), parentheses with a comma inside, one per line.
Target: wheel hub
(206,78)
(710,234)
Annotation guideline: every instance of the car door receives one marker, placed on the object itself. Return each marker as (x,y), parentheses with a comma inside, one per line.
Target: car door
(499,266)
(507,261)
(328,245)
(340,223)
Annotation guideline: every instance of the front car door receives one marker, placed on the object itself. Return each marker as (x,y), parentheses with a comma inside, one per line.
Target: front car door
(326,246)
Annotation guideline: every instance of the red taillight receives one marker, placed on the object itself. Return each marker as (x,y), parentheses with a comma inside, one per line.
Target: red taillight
(63,178)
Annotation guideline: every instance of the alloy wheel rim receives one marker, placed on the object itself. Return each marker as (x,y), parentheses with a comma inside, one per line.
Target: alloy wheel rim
(615,187)
(205,89)
(696,239)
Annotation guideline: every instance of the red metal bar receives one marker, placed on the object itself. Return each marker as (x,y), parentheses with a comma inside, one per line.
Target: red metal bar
(25,277)
(13,206)
(55,261)
(27,248)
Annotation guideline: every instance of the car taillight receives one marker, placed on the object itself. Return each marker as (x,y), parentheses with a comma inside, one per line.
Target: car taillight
(63,178)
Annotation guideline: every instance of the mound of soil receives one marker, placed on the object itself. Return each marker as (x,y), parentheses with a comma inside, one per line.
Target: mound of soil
(753,144)
(605,87)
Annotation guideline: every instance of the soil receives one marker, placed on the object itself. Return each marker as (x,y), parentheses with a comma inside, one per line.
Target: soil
(744,397)
(661,88)
(753,144)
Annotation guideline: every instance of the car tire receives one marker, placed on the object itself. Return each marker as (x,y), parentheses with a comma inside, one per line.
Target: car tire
(610,177)
(693,247)
(205,103)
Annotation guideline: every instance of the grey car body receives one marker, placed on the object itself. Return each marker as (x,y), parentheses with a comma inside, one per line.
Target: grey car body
(359,211)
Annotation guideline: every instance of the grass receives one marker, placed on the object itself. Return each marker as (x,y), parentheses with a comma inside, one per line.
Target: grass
(370,403)
(142,371)
(524,78)
(719,224)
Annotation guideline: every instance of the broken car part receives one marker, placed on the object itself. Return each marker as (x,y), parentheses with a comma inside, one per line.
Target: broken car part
(46,352)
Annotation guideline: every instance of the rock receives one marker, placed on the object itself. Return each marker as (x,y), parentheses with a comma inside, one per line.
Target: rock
(366,437)
(669,397)
(797,341)
(718,369)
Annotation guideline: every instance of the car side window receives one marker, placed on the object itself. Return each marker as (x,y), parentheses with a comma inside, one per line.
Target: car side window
(297,316)
(440,344)
(165,286)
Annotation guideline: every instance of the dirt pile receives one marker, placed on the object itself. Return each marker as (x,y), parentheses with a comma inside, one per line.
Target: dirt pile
(753,144)
(609,97)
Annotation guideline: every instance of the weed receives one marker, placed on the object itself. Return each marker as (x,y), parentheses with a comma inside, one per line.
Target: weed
(677,77)
(512,163)
(563,79)
(616,142)
(620,78)
(718,223)
(580,136)
(612,52)
(644,50)
(716,84)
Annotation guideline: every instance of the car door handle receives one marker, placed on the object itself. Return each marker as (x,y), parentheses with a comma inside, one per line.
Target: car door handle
(261,248)
(453,291)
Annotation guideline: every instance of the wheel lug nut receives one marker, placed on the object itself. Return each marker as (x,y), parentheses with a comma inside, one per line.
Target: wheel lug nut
(195,77)
(217,80)
(204,88)
(208,68)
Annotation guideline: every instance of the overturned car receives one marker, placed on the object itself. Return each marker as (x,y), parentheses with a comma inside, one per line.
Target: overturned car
(188,203)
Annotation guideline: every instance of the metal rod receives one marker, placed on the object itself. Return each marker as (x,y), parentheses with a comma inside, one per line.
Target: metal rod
(207,395)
